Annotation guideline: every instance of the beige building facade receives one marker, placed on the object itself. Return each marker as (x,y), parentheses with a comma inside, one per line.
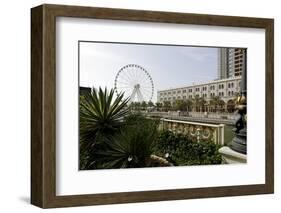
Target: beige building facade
(226,89)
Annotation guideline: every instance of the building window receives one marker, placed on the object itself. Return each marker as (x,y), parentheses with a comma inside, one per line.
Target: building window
(179,91)
(174,92)
(184,91)
(184,97)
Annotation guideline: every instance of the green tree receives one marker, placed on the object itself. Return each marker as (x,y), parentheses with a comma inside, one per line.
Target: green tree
(143,105)
(215,102)
(167,105)
(180,105)
(132,105)
(150,104)
(196,102)
(189,104)
(221,104)
(158,106)
(202,103)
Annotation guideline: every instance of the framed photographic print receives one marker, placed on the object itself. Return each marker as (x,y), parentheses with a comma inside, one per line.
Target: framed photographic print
(135,106)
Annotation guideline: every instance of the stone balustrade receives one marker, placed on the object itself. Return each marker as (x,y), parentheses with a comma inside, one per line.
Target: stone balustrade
(197,131)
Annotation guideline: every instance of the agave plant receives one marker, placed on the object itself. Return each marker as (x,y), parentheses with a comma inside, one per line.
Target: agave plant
(100,114)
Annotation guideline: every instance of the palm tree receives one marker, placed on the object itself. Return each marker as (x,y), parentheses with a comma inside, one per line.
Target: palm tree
(215,102)
(137,106)
(202,103)
(189,104)
(143,105)
(158,106)
(196,102)
(230,105)
(180,105)
(150,104)
(221,104)
(167,105)
(100,115)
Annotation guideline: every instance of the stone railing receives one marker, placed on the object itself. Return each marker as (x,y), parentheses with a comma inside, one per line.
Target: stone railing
(200,118)
(197,131)
(214,115)
(221,115)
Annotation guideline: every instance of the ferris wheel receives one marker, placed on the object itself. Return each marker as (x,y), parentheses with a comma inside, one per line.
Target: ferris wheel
(135,82)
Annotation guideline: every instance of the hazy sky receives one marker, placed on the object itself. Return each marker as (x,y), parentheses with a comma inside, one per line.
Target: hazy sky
(169,66)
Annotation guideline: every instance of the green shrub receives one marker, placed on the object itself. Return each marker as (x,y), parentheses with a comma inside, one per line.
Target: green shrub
(132,147)
(180,150)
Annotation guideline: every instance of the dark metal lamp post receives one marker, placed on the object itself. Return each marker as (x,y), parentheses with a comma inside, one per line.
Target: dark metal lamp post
(239,142)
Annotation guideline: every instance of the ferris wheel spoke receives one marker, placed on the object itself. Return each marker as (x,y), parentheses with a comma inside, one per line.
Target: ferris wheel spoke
(132,74)
(123,81)
(146,83)
(136,73)
(124,87)
(145,93)
(126,77)
(133,77)
(126,92)
(147,90)
(148,86)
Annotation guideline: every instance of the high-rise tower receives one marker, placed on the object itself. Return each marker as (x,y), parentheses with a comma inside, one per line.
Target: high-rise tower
(230,62)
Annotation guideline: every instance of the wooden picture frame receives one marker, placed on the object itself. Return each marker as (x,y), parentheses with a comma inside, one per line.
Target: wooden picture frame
(43,105)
